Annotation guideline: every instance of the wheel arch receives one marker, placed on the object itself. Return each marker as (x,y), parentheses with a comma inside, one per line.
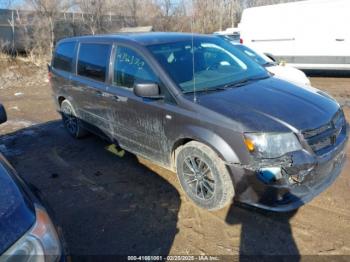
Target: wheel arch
(207,137)
(60,99)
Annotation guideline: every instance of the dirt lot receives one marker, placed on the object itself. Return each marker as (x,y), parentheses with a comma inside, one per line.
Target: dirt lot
(105,204)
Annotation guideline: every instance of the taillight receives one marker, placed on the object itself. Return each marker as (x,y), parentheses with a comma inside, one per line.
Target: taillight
(241,40)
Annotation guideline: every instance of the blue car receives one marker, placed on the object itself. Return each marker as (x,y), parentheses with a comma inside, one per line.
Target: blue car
(26,231)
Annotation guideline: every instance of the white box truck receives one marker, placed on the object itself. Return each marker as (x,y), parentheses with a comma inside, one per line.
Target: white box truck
(313,34)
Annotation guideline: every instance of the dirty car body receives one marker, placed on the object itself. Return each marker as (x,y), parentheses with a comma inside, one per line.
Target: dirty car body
(281,144)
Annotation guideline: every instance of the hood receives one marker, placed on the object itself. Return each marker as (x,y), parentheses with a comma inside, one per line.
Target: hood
(289,73)
(16,211)
(271,105)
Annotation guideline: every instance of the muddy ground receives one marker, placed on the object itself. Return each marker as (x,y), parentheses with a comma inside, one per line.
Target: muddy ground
(105,204)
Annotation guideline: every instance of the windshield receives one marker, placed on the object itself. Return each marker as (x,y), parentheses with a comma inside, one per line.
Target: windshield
(259,58)
(217,64)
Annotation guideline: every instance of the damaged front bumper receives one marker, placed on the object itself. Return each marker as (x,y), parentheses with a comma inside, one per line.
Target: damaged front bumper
(286,183)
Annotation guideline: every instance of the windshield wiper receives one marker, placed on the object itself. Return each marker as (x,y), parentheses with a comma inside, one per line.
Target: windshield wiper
(244,82)
(227,86)
(220,88)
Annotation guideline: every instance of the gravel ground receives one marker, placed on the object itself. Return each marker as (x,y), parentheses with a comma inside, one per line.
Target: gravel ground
(105,204)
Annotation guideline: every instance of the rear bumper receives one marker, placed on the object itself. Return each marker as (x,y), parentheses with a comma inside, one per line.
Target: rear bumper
(315,173)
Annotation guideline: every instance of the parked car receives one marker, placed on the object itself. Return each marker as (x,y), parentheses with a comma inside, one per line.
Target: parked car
(223,123)
(231,34)
(284,72)
(309,34)
(26,230)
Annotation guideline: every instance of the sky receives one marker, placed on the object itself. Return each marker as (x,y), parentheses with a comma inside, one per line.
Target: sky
(5,3)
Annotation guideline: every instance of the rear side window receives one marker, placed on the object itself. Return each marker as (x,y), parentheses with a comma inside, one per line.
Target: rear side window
(63,57)
(93,60)
(130,68)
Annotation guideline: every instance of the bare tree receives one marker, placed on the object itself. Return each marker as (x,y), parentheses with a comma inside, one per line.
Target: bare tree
(12,24)
(133,9)
(94,12)
(11,21)
(211,15)
(133,6)
(47,12)
(171,15)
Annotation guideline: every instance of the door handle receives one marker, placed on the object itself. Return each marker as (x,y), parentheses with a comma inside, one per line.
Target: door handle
(339,39)
(111,96)
(121,98)
(118,98)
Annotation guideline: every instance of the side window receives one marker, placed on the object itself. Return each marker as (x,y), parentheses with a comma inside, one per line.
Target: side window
(93,60)
(130,67)
(63,57)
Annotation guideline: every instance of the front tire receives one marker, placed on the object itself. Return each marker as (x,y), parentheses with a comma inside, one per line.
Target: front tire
(204,176)
(70,120)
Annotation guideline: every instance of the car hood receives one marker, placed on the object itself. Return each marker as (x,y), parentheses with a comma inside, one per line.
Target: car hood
(272,105)
(16,212)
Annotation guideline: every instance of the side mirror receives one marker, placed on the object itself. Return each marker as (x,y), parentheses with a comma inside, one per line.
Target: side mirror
(147,90)
(3,115)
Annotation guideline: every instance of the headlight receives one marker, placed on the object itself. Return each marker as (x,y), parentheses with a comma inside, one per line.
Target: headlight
(271,145)
(40,243)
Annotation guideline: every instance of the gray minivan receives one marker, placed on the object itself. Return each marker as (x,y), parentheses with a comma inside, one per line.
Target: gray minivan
(198,106)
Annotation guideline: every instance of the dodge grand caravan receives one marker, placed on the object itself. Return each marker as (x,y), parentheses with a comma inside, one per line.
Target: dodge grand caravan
(198,106)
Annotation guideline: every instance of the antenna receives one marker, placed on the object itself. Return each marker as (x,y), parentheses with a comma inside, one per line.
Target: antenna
(193,69)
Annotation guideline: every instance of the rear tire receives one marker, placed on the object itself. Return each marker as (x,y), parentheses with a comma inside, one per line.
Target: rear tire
(204,176)
(70,120)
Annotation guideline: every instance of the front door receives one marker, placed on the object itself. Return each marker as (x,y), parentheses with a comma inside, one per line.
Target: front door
(140,124)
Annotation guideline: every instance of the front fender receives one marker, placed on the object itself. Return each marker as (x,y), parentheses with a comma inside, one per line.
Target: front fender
(217,143)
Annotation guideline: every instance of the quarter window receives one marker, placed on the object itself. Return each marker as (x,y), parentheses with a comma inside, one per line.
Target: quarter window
(130,68)
(93,60)
(63,57)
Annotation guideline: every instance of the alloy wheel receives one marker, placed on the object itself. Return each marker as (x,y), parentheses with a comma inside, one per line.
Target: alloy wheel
(69,120)
(199,177)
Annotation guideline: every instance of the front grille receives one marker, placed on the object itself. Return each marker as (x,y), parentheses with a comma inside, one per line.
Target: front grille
(323,138)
